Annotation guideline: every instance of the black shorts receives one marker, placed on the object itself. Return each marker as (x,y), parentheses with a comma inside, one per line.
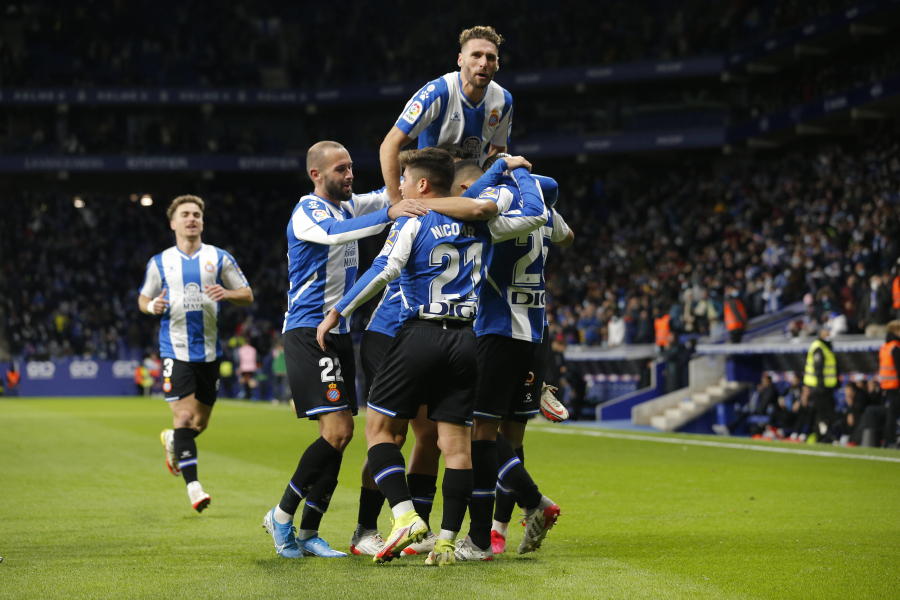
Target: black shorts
(181,379)
(372,349)
(427,364)
(530,403)
(321,382)
(504,379)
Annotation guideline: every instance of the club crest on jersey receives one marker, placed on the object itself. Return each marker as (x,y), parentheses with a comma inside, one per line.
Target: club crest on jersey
(412,113)
(494,118)
(209,267)
(333,394)
(319,215)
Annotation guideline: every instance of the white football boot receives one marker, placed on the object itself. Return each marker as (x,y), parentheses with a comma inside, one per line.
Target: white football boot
(551,408)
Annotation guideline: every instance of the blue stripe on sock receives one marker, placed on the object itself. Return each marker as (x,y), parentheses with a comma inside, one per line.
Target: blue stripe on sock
(508,465)
(186,463)
(424,500)
(294,487)
(482,493)
(389,471)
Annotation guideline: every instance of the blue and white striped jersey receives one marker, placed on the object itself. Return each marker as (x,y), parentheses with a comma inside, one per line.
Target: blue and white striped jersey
(512,301)
(442,259)
(323,255)
(440,113)
(189,329)
(386,316)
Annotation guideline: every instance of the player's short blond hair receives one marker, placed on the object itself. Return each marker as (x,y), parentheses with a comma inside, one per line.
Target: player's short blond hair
(186,199)
(480,32)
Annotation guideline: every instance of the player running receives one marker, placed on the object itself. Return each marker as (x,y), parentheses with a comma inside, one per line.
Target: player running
(509,329)
(184,285)
(433,355)
(466,108)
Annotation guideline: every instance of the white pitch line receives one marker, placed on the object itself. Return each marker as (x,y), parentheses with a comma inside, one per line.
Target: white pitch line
(691,442)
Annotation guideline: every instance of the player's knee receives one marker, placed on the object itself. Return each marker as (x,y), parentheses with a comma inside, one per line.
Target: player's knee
(183,418)
(339,435)
(400,439)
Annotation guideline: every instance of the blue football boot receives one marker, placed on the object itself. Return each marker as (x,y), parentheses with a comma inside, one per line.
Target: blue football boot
(284,536)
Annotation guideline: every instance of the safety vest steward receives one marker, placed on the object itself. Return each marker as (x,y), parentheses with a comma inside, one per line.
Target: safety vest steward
(895,292)
(829,372)
(735,315)
(663,329)
(887,370)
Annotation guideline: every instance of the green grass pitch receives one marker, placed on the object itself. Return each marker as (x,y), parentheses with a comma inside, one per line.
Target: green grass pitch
(88,510)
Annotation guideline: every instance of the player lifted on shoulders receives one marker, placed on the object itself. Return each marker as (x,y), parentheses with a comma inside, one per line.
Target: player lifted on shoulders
(433,355)
(322,265)
(466,108)
(184,285)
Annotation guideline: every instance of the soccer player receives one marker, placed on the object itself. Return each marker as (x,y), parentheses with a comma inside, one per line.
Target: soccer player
(509,328)
(322,264)
(184,286)
(432,358)
(466,108)
(425,457)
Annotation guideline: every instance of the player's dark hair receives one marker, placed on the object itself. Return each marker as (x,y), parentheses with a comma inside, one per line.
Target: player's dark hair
(456,152)
(480,32)
(432,164)
(466,170)
(490,160)
(187,199)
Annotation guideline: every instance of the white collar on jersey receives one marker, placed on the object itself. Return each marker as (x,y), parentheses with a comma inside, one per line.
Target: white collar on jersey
(192,256)
(463,94)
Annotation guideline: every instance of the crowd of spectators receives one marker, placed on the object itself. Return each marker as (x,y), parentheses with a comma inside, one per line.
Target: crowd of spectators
(820,226)
(233,42)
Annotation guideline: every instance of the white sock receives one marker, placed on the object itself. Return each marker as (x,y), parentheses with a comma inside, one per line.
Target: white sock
(282,517)
(501,528)
(447,535)
(305,534)
(402,508)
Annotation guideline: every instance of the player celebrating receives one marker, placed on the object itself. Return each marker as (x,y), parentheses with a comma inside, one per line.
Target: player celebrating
(185,284)
(432,356)
(322,257)
(509,329)
(466,108)
(425,457)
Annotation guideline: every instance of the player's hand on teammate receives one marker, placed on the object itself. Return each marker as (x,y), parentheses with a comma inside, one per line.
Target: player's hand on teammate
(517,162)
(330,322)
(159,305)
(407,208)
(216,292)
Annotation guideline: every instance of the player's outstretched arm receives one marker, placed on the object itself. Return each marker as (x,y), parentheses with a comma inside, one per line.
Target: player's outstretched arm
(315,225)
(533,214)
(393,142)
(386,268)
(463,209)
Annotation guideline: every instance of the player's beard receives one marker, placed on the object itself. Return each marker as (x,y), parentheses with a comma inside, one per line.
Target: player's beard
(335,190)
(477,84)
